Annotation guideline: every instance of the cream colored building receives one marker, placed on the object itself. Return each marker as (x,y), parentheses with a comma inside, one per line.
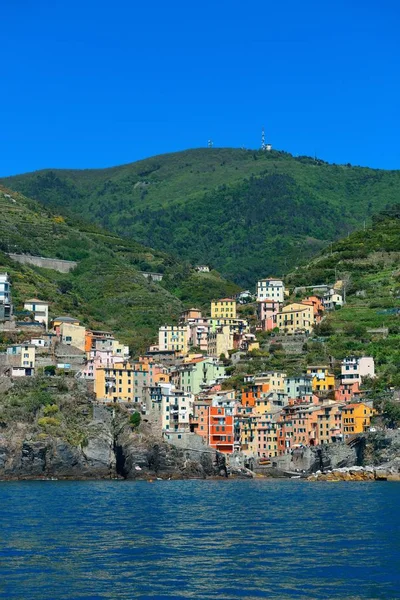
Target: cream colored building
(274,379)
(295,318)
(73,335)
(172,337)
(220,342)
(224,308)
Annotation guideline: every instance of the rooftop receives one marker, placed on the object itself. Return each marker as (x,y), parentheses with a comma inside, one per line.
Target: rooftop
(36,300)
(66,319)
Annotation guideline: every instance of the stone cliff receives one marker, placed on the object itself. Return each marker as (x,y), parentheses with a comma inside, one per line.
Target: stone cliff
(50,428)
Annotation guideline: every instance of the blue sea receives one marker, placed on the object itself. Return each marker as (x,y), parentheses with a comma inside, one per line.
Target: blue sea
(234,539)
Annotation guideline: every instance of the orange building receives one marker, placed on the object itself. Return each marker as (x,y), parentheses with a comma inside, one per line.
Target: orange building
(356,418)
(214,424)
(318,307)
(252,393)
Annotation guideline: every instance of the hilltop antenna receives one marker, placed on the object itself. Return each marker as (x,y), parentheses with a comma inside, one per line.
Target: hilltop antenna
(263,146)
(210,143)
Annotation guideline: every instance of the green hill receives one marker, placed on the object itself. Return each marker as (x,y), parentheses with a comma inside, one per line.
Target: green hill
(107,289)
(246,213)
(368,262)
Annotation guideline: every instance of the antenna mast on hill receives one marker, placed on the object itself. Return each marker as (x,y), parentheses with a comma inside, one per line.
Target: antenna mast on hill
(263,147)
(210,143)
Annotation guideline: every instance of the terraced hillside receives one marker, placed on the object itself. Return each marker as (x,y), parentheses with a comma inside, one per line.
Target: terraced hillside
(107,289)
(247,213)
(368,261)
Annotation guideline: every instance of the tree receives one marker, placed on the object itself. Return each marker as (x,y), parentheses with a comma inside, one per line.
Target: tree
(391,414)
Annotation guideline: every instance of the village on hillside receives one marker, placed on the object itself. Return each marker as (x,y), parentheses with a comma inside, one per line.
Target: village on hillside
(180,386)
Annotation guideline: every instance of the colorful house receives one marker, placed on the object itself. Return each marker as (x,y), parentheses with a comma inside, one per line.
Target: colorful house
(270,289)
(318,307)
(220,342)
(214,421)
(356,418)
(354,369)
(266,313)
(40,310)
(6,308)
(348,392)
(174,337)
(72,335)
(322,380)
(197,374)
(224,308)
(295,318)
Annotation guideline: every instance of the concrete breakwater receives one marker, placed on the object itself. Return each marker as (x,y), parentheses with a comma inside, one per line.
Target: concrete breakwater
(357,474)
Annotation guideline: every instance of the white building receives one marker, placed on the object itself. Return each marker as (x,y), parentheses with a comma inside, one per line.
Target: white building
(354,369)
(270,289)
(5,297)
(39,309)
(169,407)
(202,268)
(332,299)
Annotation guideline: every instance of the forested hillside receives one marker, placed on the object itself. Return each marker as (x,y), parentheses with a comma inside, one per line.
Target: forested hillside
(107,289)
(246,213)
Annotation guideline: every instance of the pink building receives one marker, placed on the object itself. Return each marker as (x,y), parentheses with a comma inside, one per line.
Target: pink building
(97,359)
(348,392)
(266,312)
(354,369)
(198,333)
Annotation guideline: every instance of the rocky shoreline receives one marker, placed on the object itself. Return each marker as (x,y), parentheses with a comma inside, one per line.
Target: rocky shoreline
(357,474)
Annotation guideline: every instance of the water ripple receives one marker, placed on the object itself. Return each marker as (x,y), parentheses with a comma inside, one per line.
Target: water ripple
(199,539)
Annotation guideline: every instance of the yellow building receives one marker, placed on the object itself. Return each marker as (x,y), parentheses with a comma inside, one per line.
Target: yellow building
(322,379)
(172,337)
(114,383)
(248,434)
(328,419)
(356,418)
(295,318)
(262,406)
(224,308)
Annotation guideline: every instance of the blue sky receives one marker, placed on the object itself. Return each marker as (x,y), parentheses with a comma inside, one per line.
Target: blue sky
(96,83)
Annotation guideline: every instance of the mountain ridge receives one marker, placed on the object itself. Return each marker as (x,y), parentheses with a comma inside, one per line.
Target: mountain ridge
(247,213)
(107,289)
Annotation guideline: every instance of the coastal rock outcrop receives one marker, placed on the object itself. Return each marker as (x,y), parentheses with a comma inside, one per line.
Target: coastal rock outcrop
(140,455)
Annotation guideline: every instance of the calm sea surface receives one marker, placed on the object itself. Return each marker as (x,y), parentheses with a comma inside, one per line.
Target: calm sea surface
(199,539)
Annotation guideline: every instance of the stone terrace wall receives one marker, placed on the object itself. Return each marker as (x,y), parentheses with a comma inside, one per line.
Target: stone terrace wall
(63,266)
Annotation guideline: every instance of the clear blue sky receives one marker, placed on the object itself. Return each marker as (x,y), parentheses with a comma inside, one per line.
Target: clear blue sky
(97,83)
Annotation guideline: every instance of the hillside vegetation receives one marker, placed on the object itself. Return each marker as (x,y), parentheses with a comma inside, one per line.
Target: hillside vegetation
(106,290)
(246,213)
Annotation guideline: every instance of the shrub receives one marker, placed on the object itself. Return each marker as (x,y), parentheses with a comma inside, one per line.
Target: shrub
(135,420)
(48,422)
(50,409)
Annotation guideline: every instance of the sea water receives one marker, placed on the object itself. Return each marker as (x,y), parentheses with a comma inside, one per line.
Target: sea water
(199,539)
